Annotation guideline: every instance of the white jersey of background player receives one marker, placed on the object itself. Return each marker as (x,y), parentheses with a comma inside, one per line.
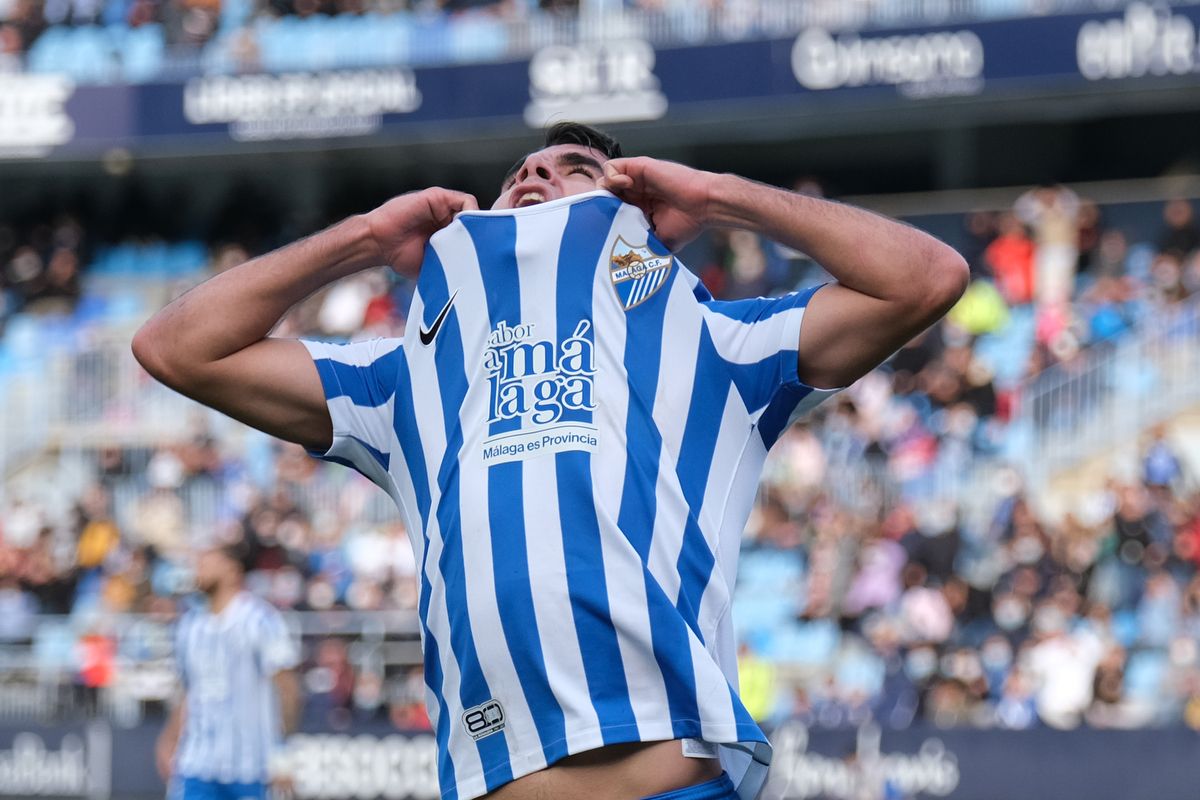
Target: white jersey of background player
(235,659)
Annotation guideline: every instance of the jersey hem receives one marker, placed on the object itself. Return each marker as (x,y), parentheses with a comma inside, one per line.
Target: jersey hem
(218,778)
(475,785)
(537,208)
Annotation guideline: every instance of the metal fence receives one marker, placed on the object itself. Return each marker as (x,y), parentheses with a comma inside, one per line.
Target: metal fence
(1110,394)
(92,394)
(42,674)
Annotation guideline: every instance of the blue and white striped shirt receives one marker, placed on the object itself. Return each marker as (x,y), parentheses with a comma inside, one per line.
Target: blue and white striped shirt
(573,430)
(227,662)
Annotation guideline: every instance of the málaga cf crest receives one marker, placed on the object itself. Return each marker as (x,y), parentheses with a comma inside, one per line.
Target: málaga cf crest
(637,273)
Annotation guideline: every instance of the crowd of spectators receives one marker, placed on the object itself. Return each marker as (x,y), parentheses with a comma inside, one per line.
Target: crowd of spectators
(125,550)
(1024,621)
(40,268)
(896,609)
(186,27)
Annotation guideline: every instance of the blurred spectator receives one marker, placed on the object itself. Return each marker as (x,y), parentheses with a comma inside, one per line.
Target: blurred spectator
(1010,258)
(17,610)
(1161,467)
(1053,214)
(1181,233)
(11,48)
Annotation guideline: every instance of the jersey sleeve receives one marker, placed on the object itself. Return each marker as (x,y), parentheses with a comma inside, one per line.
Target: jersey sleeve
(359,381)
(759,340)
(277,648)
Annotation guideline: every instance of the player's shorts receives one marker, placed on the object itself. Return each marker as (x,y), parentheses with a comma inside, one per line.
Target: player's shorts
(717,789)
(196,789)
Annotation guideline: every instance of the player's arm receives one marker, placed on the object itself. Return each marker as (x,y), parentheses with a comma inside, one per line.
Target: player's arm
(168,740)
(280,657)
(213,345)
(287,687)
(893,281)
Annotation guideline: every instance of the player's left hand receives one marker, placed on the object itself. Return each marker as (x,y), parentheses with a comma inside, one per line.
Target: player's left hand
(675,199)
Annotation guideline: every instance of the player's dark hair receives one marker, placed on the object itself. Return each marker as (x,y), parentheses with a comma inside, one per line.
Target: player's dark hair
(574,133)
(239,552)
(583,135)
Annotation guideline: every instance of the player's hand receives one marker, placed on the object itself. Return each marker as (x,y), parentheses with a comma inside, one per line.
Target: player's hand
(402,225)
(283,788)
(674,198)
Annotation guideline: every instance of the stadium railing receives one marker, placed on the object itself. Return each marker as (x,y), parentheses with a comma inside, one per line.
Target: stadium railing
(96,395)
(45,674)
(1111,393)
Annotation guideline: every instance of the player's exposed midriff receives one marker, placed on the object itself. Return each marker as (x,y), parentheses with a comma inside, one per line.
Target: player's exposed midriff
(617,772)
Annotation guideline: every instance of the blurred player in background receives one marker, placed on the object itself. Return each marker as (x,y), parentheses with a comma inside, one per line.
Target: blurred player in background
(236,661)
(573,429)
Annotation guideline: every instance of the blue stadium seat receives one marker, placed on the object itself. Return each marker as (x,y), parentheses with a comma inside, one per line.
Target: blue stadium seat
(315,38)
(1145,673)
(49,52)
(216,56)
(272,41)
(342,42)
(122,260)
(761,612)
(430,42)
(187,257)
(478,37)
(127,305)
(1125,626)
(91,57)
(235,13)
(1007,350)
(54,646)
(401,36)
(155,259)
(858,668)
(23,335)
(92,307)
(811,643)
(142,53)
(303,41)
(115,12)
(102,263)
(386,40)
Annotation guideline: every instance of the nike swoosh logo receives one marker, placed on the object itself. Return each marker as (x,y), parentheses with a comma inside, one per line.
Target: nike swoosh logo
(427,336)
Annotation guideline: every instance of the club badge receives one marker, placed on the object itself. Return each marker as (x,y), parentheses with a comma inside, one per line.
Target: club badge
(637,272)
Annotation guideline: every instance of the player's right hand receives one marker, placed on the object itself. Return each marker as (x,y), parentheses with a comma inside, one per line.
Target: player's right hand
(402,225)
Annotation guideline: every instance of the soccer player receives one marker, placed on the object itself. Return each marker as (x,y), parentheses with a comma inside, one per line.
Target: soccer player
(573,430)
(236,662)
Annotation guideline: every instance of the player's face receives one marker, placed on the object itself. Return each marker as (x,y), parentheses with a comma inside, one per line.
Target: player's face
(211,568)
(558,171)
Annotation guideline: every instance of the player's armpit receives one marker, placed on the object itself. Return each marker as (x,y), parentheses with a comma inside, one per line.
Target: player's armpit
(271,385)
(845,334)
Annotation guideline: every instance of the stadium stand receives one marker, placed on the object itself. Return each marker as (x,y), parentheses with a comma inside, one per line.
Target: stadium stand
(898,603)
(135,41)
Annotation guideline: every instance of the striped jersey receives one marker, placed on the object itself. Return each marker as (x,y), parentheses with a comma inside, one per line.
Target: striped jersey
(226,662)
(573,430)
